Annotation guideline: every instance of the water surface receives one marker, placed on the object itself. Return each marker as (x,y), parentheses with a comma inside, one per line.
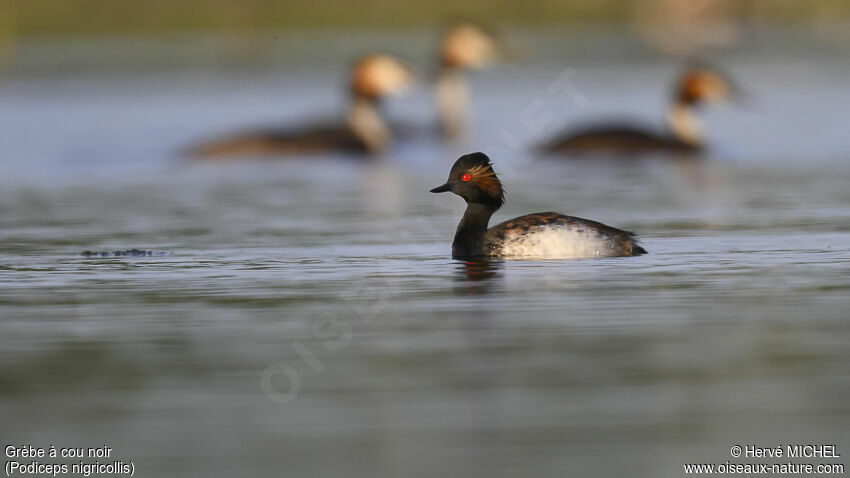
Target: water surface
(328,283)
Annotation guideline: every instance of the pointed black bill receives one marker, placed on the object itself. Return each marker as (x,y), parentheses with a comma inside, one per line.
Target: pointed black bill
(442,189)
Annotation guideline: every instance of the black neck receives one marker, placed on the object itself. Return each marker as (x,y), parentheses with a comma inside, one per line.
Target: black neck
(469,238)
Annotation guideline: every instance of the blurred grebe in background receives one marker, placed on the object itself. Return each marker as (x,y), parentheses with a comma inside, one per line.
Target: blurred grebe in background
(364,130)
(696,87)
(465,46)
(544,235)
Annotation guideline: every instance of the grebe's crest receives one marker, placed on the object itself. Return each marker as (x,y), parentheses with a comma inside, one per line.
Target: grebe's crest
(377,75)
(467,45)
(699,84)
(472,178)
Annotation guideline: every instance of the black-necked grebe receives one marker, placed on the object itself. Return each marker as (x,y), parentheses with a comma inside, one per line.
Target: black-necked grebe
(695,87)
(545,235)
(463,47)
(364,130)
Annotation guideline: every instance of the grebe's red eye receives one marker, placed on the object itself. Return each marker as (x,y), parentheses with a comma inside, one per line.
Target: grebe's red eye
(466,177)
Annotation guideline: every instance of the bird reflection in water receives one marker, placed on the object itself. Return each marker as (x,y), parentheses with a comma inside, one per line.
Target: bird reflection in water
(478,277)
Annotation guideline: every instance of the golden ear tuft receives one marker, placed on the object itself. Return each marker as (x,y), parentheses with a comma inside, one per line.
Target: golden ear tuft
(485,178)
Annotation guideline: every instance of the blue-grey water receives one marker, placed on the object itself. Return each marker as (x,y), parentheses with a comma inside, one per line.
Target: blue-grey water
(307,319)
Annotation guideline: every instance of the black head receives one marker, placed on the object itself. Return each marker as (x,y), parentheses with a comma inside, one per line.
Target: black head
(472,178)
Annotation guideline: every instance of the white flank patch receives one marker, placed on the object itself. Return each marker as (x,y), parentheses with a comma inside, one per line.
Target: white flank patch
(559,242)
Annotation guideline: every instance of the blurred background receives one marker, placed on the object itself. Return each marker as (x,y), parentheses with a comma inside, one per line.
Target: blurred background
(53,36)
(300,315)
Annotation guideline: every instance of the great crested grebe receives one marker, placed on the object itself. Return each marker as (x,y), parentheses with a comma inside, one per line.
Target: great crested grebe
(544,235)
(696,86)
(363,131)
(463,47)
